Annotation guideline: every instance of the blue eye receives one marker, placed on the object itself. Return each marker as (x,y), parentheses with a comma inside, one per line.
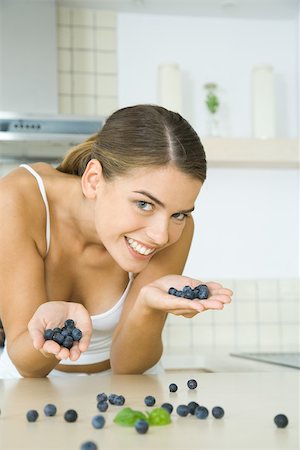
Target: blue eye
(180,216)
(145,206)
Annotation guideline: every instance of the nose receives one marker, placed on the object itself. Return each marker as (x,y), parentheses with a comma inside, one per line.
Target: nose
(158,231)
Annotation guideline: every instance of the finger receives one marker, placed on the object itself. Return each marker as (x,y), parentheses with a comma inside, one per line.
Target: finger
(221,298)
(63,353)
(211,304)
(75,352)
(37,337)
(51,347)
(84,341)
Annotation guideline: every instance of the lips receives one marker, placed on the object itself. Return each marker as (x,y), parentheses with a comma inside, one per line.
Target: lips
(139,248)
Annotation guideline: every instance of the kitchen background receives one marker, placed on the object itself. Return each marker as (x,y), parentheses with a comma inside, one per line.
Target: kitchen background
(84,59)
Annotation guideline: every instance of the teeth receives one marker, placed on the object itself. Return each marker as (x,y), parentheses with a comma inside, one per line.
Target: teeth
(139,248)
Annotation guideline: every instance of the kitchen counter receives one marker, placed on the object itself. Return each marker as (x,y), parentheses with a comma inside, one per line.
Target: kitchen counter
(250,401)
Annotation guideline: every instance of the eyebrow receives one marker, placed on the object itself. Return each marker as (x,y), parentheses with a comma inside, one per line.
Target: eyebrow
(156,200)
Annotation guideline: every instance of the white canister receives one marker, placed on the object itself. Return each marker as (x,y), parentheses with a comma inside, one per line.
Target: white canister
(263,102)
(169,88)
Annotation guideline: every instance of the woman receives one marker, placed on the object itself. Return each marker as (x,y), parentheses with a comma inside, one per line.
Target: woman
(100,240)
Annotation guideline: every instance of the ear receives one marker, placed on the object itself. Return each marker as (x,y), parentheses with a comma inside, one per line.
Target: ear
(91,178)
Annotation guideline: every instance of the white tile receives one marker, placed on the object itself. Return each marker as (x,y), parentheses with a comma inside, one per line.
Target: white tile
(63,15)
(225,315)
(268,289)
(84,84)
(65,83)
(180,337)
(289,289)
(106,62)
(225,335)
(290,335)
(289,311)
(269,335)
(107,85)
(83,17)
(84,61)
(65,104)
(106,39)
(83,38)
(245,290)
(246,335)
(106,106)
(106,19)
(63,37)
(246,312)
(202,335)
(64,60)
(268,312)
(84,105)
(204,318)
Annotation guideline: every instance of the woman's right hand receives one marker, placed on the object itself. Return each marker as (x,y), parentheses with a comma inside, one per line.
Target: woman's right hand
(54,314)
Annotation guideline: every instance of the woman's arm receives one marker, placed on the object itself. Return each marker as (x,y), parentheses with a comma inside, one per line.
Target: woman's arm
(137,343)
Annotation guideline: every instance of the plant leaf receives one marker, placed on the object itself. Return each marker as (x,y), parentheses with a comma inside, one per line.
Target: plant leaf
(128,417)
(159,416)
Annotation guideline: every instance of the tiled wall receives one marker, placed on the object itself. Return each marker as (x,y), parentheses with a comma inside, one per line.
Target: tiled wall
(264,314)
(87,61)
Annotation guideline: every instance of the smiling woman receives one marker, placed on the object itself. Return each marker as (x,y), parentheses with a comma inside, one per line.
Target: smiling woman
(118,213)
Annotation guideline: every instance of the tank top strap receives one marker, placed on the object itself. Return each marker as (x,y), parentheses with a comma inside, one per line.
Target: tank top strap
(44,197)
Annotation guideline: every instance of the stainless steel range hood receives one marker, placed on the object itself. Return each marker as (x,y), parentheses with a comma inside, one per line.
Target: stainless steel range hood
(43,137)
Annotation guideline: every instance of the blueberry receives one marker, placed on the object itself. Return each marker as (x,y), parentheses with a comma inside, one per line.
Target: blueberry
(141,426)
(32,415)
(59,338)
(69,323)
(48,334)
(202,291)
(68,342)
(168,407)
(172,291)
(179,293)
(102,406)
(217,412)
(182,410)
(70,415)
(192,384)
(112,398)
(98,421)
(89,445)
(64,332)
(149,400)
(56,330)
(50,410)
(101,397)
(173,387)
(76,334)
(201,412)
(281,420)
(119,400)
(192,406)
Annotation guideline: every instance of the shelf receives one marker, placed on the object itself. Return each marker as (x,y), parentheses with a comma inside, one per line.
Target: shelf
(243,152)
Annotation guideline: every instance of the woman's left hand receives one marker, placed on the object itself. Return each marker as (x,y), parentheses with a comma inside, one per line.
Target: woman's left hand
(155,296)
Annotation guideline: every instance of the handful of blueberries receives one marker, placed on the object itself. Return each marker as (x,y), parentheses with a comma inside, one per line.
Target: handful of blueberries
(199,292)
(64,336)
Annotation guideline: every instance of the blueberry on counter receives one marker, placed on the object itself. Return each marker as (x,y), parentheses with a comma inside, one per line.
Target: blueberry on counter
(50,410)
(149,400)
(102,406)
(119,400)
(192,406)
(173,387)
(201,412)
(217,412)
(281,420)
(168,407)
(101,397)
(192,384)
(98,421)
(32,415)
(141,426)
(70,415)
(182,410)
(112,398)
(89,445)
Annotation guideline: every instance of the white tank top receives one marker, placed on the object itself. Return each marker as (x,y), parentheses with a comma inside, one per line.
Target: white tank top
(103,324)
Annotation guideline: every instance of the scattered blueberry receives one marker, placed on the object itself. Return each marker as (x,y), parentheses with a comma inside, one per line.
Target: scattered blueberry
(32,415)
(199,292)
(182,410)
(102,397)
(192,406)
(192,384)
(70,415)
(281,420)
(168,407)
(112,398)
(201,412)
(98,421)
(102,406)
(217,412)
(149,400)
(50,410)
(141,426)
(119,400)
(89,445)
(173,387)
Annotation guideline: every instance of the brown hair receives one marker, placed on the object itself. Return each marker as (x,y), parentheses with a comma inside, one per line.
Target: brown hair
(139,136)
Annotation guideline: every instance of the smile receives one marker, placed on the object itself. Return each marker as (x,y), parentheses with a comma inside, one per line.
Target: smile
(137,247)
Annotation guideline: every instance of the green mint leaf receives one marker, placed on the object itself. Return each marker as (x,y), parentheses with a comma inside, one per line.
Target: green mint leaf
(159,416)
(127,417)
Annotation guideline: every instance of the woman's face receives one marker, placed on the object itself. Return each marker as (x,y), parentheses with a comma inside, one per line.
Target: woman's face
(139,214)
